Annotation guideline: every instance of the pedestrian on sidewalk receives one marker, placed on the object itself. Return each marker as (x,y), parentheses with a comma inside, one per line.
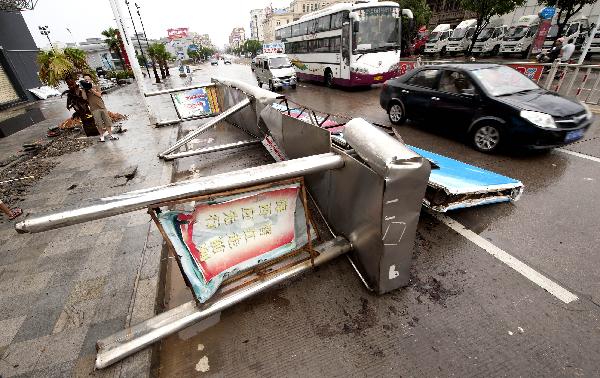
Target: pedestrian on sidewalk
(93,95)
(566,52)
(10,213)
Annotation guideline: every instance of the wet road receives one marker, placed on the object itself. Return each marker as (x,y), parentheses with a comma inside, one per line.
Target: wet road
(465,313)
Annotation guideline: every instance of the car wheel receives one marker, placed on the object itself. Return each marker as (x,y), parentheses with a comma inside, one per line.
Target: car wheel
(328,78)
(495,51)
(505,55)
(486,138)
(525,53)
(396,113)
(293,86)
(443,51)
(452,53)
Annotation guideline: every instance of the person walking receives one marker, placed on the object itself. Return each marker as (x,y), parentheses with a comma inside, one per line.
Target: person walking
(10,213)
(566,52)
(94,98)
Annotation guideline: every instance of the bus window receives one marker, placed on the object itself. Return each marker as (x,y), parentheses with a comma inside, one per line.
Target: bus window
(323,45)
(346,42)
(337,20)
(278,35)
(303,28)
(334,44)
(312,27)
(324,23)
(286,32)
(301,47)
(296,30)
(312,46)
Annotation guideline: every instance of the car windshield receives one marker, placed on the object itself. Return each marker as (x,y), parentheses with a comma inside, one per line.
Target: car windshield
(485,34)
(280,62)
(517,32)
(378,29)
(502,80)
(434,37)
(459,33)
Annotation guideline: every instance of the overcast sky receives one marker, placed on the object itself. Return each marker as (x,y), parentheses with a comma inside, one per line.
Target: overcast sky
(86,19)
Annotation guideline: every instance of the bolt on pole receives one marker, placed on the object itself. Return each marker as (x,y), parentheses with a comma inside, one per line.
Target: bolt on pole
(137,71)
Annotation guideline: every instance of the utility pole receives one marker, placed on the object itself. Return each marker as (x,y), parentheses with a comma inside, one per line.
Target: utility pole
(147,44)
(138,38)
(44,30)
(135,66)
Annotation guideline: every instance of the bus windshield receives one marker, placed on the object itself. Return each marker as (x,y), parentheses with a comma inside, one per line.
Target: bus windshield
(378,29)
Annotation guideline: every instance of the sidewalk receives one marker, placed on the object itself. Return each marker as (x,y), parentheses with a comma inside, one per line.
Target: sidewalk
(62,290)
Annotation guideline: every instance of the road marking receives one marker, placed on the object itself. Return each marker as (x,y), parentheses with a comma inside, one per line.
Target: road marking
(529,273)
(592,158)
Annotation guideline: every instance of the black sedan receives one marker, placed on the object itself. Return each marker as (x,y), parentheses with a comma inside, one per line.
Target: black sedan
(492,104)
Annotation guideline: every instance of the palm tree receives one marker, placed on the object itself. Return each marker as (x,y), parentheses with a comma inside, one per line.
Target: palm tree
(113,40)
(62,65)
(154,52)
(165,57)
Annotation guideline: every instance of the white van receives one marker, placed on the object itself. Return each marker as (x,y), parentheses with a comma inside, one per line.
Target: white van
(490,39)
(438,40)
(519,38)
(578,30)
(276,70)
(461,37)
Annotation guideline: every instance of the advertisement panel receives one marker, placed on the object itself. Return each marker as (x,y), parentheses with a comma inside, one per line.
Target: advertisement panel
(538,43)
(177,33)
(273,48)
(197,102)
(223,236)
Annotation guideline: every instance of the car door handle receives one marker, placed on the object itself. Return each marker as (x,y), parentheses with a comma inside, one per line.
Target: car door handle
(405,91)
(435,98)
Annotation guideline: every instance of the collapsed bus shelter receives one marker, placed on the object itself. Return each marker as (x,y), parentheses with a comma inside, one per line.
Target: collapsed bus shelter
(236,234)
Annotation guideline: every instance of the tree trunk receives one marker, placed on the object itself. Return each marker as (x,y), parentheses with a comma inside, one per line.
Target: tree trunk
(166,67)
(162,70)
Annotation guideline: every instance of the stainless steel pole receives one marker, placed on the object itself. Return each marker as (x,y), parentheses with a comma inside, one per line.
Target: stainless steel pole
(206,150)
(132,201)
(213,121)
(131,340)
(181,89)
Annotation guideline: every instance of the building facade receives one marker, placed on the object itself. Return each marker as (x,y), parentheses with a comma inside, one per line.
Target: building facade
(274,19)
(298,8)
(18,60)
(237,38)
(257,18)
(98,54)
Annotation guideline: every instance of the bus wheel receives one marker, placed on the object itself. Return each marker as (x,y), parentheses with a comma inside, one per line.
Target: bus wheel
(328,78)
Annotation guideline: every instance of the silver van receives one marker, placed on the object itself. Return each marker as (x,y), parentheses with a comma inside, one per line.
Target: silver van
(276,70)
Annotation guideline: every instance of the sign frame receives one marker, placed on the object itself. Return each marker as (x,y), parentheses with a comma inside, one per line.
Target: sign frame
(260,271)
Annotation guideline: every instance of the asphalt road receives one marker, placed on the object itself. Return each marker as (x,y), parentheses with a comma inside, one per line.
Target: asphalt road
(467,311)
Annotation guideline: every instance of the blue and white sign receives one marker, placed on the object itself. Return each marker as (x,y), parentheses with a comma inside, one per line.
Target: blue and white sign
(547,13)
(272,48)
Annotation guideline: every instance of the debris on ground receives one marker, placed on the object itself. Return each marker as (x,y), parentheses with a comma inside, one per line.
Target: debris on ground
(125,176)
(72,123)
(36,160)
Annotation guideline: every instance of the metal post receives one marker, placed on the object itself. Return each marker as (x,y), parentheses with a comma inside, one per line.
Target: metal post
(147,44)
(138,38)
(588,42)
(136,338)
(206,150)
(206,126)
(551,74)
(141,199)
(137,72)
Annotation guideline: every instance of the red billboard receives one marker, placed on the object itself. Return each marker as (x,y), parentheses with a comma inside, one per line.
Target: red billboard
(538,42)
(177,33)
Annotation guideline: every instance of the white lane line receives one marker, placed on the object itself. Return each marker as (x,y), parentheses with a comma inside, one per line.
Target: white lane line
(532,275)
(592,158)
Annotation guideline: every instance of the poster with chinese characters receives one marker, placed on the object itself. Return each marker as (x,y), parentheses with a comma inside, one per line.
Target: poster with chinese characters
(223,237)
(195,103)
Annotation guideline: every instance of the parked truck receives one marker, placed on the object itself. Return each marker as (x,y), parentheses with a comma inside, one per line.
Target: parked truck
(490,38)
(438,40)
(461,37)
(519,38)
(578,30)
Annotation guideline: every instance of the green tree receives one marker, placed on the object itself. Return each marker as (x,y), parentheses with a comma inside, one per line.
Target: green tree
(486,9)
(566,10)
(113,40)
(252,46)
(63,65)
(141,60)
(421,12)
(159,54)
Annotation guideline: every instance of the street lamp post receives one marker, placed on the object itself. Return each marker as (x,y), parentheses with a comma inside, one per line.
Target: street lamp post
(138,38)
(44,30)
(147,44)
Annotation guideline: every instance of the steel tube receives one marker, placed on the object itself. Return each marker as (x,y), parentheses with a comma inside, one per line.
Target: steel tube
(180,89)
(131,340)
(207,150)
(132,201)
(237,107)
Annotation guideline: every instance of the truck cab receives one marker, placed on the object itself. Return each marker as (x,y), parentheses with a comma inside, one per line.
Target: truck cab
(519,38)
(490,39)
(438,40)
(460,39)
(578,30)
